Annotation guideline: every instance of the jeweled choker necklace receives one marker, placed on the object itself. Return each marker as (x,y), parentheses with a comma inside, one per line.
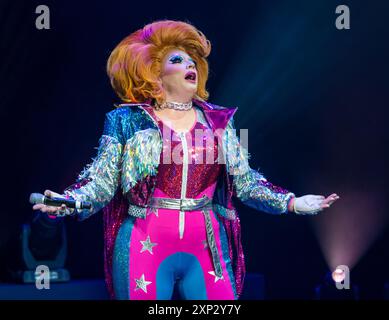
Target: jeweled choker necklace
(176,105)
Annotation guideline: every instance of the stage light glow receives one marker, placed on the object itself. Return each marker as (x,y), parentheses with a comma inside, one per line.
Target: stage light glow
(338,275)
(350,227)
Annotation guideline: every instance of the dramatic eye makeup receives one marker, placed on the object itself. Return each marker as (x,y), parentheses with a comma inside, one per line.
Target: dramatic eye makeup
(176,59)
(179,59)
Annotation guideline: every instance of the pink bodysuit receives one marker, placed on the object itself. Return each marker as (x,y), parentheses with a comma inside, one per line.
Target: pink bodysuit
(169,248)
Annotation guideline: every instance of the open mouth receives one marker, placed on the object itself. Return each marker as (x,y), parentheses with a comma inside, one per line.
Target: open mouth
(191,76)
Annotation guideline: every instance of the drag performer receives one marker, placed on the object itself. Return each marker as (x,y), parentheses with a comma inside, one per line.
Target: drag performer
(167,168)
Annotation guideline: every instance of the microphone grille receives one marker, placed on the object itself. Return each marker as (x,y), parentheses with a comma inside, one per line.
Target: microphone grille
(36,198)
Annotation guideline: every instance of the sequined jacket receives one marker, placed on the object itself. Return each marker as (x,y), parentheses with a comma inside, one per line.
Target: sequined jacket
(128,157)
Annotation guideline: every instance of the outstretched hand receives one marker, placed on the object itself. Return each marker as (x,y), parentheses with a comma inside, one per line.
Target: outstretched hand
(312,204)
(327,202)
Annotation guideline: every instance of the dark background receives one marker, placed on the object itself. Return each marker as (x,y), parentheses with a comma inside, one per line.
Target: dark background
(313,97)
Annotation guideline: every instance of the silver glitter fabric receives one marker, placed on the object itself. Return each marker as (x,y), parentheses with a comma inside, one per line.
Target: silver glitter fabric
(102,176)
(235,156)
(140,157)
(250,186)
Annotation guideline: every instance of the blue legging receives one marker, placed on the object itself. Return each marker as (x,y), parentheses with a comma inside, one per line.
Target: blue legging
(185,269)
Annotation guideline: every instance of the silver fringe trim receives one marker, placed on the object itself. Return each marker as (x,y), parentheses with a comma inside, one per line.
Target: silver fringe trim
(140,157)
(103,173)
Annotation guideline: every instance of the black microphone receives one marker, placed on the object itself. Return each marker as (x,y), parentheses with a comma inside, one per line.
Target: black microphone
(36,198)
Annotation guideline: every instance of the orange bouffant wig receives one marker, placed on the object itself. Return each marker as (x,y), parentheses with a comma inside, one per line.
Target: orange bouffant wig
(134,66)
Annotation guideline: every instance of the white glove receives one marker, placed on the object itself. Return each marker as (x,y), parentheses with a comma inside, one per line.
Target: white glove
(308,204)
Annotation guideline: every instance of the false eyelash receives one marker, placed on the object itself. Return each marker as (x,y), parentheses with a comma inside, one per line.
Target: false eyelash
(175,58)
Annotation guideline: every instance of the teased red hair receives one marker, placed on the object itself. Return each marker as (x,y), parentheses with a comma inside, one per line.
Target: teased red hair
(134,66)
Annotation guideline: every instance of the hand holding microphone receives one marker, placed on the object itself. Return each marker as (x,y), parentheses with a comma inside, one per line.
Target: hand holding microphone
(56,204)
